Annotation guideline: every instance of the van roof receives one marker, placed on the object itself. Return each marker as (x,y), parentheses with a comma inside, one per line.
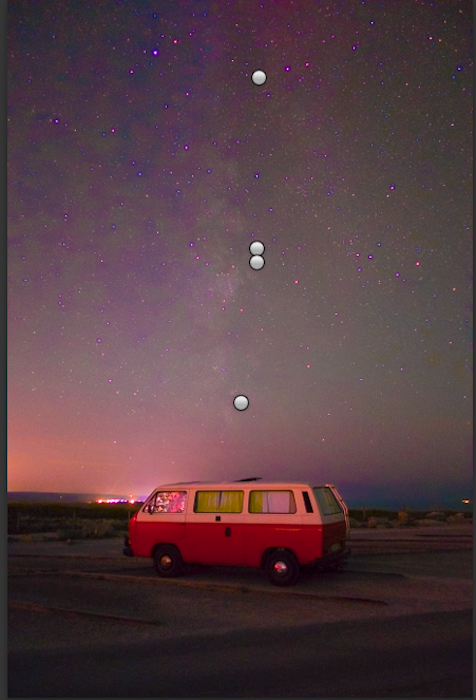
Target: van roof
(239,485)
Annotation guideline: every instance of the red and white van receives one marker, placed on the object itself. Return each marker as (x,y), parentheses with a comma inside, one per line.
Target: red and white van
(280,527)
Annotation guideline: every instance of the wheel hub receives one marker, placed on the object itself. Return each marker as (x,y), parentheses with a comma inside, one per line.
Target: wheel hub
(280,567)
(165,561)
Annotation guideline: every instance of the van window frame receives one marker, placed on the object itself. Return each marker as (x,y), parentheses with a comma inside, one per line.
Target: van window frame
(221,492)
(272,512)
(307,502)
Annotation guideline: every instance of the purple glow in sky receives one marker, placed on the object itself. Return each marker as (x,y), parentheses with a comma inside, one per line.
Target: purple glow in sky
(143,161)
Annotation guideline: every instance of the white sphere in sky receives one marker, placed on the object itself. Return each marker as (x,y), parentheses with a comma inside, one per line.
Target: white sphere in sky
(259,77)
(256,248)
(256,262)
(241,403)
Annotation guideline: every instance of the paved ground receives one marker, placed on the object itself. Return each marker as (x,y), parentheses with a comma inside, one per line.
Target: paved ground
(424,538)
(425,655)
(85,621)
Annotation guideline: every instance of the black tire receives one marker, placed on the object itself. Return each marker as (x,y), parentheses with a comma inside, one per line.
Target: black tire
(167,561)
(282,568)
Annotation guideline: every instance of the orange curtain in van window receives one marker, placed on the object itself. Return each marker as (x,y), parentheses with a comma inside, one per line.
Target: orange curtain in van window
(207,502)
(219,502)
(256,502)
(231,502)
(272,502)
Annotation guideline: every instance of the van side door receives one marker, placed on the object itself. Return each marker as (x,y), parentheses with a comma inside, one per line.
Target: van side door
(214,528)
(274,520)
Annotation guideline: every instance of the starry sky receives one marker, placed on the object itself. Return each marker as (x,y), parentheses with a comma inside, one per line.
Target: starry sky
(143,162)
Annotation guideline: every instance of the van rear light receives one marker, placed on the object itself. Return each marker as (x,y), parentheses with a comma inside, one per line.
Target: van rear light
(131,525)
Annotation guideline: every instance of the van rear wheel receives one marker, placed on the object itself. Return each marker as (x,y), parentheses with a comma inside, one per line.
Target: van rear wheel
(282,568)
(167,561)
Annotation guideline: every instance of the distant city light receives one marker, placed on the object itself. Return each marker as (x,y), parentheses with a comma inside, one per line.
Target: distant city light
(118,500)
(466,500)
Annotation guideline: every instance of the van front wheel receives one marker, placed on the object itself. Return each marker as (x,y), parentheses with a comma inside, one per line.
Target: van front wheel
(282,568)
(167,561)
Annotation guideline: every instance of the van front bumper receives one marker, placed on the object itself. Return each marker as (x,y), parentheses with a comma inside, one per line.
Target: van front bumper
(334,559)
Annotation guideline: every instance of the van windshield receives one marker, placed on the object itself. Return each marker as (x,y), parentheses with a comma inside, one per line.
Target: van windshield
(166,502)
(328,503)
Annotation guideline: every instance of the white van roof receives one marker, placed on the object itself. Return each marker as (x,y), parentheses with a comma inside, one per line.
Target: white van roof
(239,485)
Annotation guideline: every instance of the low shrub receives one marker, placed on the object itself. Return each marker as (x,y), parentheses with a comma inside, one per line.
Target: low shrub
(31,518)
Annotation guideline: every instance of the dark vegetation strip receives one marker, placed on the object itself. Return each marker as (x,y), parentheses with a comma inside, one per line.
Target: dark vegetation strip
(123,511)
(25,518)
(97,557)
(83,510)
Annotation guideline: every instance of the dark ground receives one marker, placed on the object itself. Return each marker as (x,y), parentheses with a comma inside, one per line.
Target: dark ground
(86,622)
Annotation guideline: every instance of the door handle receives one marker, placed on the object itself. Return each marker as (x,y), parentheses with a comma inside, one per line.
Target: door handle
(228,532)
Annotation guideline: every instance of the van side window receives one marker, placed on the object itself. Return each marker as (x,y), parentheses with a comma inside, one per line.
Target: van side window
(272,502)
(307,502)
(328,503)
(218,502)
(166,502)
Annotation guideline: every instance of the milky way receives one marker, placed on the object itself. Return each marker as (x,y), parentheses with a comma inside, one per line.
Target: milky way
(144,161)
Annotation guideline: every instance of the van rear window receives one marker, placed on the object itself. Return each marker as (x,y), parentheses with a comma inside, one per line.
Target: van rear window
(218,502)
(272,502)
(328,503)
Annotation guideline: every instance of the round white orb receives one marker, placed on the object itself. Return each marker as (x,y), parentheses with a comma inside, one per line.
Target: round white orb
(256,262)
(259,77)
(256,248)
(241,403)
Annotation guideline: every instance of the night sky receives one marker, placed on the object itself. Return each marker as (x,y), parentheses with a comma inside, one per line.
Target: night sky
(143,162)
